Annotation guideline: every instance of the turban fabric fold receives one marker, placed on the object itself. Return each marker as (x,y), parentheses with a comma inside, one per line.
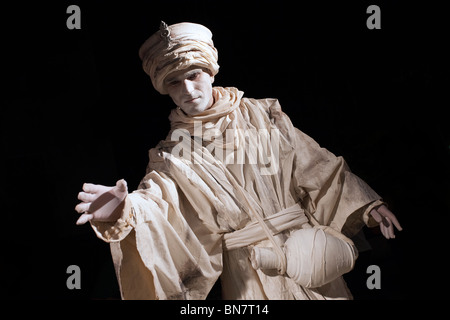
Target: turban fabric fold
(175,48)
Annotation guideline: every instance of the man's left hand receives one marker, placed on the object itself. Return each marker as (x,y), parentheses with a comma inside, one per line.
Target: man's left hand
(387,221)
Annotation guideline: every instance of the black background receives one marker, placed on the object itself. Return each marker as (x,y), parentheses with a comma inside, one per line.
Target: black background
(77,107)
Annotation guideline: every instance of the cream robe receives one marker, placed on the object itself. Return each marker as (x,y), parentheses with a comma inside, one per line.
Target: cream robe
(168,244)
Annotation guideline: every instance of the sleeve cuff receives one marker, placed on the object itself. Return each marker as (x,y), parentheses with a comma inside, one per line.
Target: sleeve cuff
(116,231)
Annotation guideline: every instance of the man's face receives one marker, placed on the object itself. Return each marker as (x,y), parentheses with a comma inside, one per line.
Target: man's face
(191,89)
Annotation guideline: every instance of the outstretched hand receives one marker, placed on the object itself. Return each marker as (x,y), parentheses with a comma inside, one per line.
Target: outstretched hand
(101,203)
(387,221)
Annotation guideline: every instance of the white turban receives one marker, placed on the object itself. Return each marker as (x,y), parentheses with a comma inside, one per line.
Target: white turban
(177,47)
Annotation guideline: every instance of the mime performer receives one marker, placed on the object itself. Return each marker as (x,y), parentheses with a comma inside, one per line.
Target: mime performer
(235,192)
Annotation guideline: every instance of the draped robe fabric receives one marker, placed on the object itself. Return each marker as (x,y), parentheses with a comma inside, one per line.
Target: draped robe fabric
(168,244)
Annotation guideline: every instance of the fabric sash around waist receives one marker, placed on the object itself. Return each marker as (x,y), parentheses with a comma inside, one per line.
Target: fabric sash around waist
(285,219)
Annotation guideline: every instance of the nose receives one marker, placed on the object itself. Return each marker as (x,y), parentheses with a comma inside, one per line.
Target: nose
(188,86)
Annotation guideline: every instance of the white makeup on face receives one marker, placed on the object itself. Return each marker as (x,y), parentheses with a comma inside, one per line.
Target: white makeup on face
(191,90)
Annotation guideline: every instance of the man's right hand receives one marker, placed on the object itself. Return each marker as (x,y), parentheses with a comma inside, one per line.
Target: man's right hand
(101,203)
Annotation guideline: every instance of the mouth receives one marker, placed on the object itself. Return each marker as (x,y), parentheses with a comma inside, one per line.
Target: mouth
(192,100)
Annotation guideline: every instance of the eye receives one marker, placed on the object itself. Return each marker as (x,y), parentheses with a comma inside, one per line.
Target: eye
(193,76)
(174,83)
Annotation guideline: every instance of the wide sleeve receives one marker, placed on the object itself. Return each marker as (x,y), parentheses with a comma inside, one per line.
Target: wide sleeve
(331,192)
(323,182)
(155,251)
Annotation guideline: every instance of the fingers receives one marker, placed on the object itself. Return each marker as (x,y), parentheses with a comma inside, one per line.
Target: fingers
(382,221)
(384,231)
(82,207)
(89,187)
(90,196)
(84,218)
(86,197)
(383,210)
(94,188)
(374,213)
(387,221)
(387,230)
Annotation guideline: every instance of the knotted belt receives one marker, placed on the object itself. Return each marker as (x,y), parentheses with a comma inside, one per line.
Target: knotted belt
(291,217)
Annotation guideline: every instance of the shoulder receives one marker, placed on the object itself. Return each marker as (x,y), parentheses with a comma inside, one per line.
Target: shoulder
(268,104)
(271,109)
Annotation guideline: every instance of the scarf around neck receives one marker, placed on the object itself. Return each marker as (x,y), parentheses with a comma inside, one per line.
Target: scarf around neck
(219,116)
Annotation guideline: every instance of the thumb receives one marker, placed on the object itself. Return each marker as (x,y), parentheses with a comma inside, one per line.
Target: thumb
(122,185)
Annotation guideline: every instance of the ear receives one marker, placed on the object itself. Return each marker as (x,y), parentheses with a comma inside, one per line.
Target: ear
(212,79)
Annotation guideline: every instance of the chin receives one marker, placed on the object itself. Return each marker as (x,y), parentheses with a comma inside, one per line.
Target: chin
(194,110)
